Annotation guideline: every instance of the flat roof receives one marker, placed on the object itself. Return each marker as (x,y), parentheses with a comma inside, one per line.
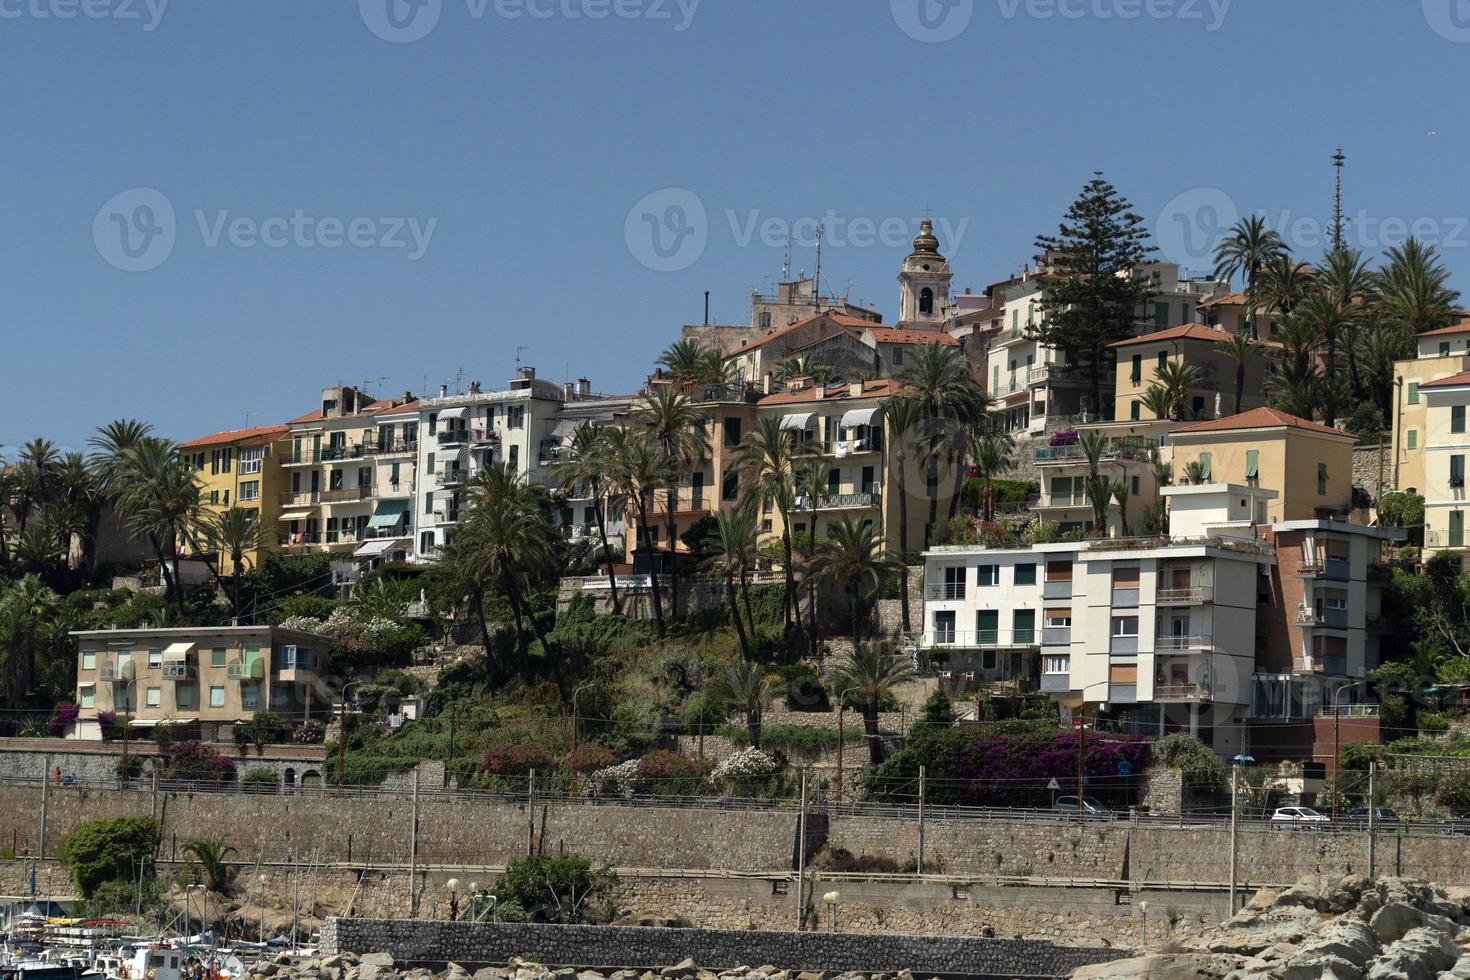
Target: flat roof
(1191,489)
(1367,530)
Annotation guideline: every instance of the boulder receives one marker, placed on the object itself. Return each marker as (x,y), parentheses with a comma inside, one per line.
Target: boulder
(373,959)
(489,973)
(1300,894)
(1188,966)
(682,969)
(1345,939)
(1318,966)
(1422,953)
(1460,971)
(1394,921)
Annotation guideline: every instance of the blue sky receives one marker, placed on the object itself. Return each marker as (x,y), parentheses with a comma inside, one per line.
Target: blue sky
(431,204)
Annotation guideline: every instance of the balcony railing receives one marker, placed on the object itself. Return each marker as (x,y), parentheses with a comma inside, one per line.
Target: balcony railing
(1056,589)
(1056,636)
(300,498)
(450,477)
(944,591)
(1174,641)
(842,448)
(1182,692)
(1314,664)
(842,501)
(1064,500)
(993,639)
(1193,596)
(389,448)
(446,516)
(346,494)
(1127,448)
(1333,569)
(300,539)
(1330,618)
(462,436)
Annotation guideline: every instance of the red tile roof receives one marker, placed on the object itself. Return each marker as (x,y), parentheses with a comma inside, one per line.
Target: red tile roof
(1453,381)
(1225,299)
(834,392)
(1462,327)
(1260,418)
(1188,331)
(370,409)
(260,432)
(890,335)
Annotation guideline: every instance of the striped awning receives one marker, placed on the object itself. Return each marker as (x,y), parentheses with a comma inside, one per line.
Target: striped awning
(799,421)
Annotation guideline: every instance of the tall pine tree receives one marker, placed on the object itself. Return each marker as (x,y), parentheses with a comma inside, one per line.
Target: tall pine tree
(1096,298)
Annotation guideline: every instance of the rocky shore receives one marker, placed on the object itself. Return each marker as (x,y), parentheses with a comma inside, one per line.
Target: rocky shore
(1339,928)
(380,966)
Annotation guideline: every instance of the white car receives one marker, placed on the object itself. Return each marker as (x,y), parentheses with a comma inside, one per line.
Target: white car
(1297,815)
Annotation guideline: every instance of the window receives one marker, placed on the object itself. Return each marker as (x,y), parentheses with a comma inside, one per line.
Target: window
(1206,466)
(898,355)
(250,695)
(120,697)
(1057,618)
(1252,467)
(154,697)
(987,626)
(515,457)
(88,695)
(1457,418)
(1023,626)
(1134,489)
(124,662)
(926,301)
(732,431)
(834,481)
(944,627)
(280,695)
(249,491)
(184,695)
(1457,470)
(1125,626)
(869,480)
(1161,314)
(954,583)
(1163,359)
(1198,406)
(730,486)
(988,575)
(1135,410)
(1457,529)
(1126,577)
(1025,574)
(1321,479)
(155,658)
(429,502)
(250,460)
(1413,438)
(217,657)
(1444,348)
(1136,375)
(1056,665)
(217,697)
(1413,393)
(89,659)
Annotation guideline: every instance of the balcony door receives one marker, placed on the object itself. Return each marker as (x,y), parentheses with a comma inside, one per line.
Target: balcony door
(987,627)
(944,627)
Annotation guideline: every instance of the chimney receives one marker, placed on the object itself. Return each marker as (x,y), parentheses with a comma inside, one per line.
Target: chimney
(528,373)
(819,391)
(584,387)
(474,387)
(443,391)
(855,389)
(407,395)
(567,391)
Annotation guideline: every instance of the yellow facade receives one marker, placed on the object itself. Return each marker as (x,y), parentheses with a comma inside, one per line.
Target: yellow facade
(1410,422)
(239,468)
(1140,358)
(1309,465)
(1444,449)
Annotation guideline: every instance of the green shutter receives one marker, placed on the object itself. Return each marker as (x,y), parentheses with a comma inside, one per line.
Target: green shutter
(1025,574)
(1206,465)
(1023,626)
(1413,438)
(1444,348)
(1135,410)
(1457,418)
(1457,529)
(1252,463)
(1321,479)
(987,624)
(1413,392)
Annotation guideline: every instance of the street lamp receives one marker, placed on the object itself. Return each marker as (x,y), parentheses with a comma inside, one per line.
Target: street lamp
(833,898)
(1143,914)
(1337,748)
(342,738)
(453,885)
(473,892)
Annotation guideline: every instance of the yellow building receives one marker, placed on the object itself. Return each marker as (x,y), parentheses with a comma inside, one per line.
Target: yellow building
(1444,448)
(1440,354)
(239,468)
(1310,465)
(1141,358)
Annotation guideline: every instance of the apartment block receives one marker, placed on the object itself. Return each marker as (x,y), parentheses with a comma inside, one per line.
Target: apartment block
(239,468)
(1130,452)
(1140,359)
(202,679)
(1445,447)
(1440,354)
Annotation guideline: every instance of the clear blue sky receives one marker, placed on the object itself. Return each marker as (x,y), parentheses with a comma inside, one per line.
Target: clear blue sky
(520,145)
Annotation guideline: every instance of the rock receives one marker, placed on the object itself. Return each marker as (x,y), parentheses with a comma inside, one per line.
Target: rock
(489,973)
(1262,900)
(1460,971)
(267,970)
(1302,895)
(373,959)
(1154,967)
(1349,940)
(565,973)
(1394,920)
(1318,966)
(1422,953)
(684,968)
(332,962)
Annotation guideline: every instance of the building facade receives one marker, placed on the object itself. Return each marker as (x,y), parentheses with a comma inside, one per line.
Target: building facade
(1439,354)
(239,468)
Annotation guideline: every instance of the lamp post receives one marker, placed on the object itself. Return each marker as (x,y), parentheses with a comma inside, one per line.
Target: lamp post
(575,692)
(833,898)
(1337,747)
(1143,915)
(473,893)
(261,880)
(342,738)
(453,885)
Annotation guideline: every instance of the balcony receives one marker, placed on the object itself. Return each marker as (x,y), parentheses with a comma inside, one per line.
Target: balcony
(1182,692)
(1056,589)
(1060,500)
(1125,598)
(240,671)
(446,516)
(452,436)
(944,591)
(842,501)
(1175,641)
(842,448)
(178,672)
(1056,683)
(1125,449)
(343,495)
(395,447)
(300,539)
(307,457)
(300,498)
(1331,569)
(981,639)
(1315,664)
(1330,618)
(1192,596)
(451,477)
(1056,636)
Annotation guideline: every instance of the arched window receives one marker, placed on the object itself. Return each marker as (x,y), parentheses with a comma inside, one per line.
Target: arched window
(926,301)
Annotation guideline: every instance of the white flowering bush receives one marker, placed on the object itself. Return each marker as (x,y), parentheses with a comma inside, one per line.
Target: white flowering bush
(619,780)
(370,635)
(748,763)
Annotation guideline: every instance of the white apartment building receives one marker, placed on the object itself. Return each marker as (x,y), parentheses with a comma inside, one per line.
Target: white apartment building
(1143,635)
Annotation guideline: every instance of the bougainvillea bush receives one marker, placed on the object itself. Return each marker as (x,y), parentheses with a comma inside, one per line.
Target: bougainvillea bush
(63,716)
(517,760)
(1012,765)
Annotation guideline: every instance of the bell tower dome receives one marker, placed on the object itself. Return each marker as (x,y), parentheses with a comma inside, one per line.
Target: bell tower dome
(923,285)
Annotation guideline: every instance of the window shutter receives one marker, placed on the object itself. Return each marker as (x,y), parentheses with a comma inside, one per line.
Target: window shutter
(1252,463)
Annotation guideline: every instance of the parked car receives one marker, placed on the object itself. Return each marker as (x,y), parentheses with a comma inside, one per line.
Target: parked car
(1089,808)
(1298,815)
(1381,815)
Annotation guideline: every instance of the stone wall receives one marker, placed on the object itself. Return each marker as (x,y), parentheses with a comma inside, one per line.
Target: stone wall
(1365,467)
(24,758)
(614,946)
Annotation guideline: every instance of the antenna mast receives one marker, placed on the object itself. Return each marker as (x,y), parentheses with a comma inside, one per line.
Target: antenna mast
(786,261)
(1338,159)
(817,276)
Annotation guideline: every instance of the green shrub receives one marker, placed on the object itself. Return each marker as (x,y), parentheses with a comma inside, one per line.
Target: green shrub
(1435,722)
(258,776)
(98,851)
(552,889)
(1453,792)
(1202,769)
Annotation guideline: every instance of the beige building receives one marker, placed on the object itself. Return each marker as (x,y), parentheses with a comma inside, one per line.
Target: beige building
(1440,354)
(1309,464)
(1445,446)
(204,679)
(1141,358)
(1131,451)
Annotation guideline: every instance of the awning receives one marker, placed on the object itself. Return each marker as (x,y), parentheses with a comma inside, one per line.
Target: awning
(294,515)
(378,546)
(859,416)
(453,413)
(151,722)
(177,652)
(388,513)
(798,421)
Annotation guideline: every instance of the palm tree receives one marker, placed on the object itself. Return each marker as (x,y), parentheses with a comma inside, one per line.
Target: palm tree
(36,465)
(769,459)
(1325,317)
(992,456)
(1246,250)
(1282,285)
(941,384)
(111,446)
(673,421)
(1345,275)
(643,469)
(735,551)
(744,688)
(157,497)
(852,556)
(211,853)
(1119,492)
(812,483)
(234,531)
(1096,487)
(1195,473)
(869,674)
(1412,288)
(791,368)
(690,360)
(7,494)
(902,416)
(590,457)
(1158,402)
(27,611)
(79,507)
(1241,351)
(1178,379)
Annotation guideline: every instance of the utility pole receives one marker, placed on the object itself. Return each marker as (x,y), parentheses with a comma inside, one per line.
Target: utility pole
(801,855)
(574,693)
(531,814)
(921,821)
(840,745)
(413,851)
(1081,755)
(41,851)
(1372,817)
(1234,828)
(450,764)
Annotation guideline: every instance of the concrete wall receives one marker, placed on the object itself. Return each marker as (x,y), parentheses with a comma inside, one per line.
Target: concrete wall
(614,946)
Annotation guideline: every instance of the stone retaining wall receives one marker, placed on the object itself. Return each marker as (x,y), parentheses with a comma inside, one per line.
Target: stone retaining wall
(623,947)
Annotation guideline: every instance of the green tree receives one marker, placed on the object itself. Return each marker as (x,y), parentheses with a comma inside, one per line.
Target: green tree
(157,497)
(234,531)
(852,556)
(768,462)
(735,552)
(1094,299)
(868,675)
(28,611)
(586,469)
(745,689)
(99,851)
(643,468)
(212,854)
(1412,289)
(1242,352)
(677,426)
(903,417)
(690,360)
(553,889)
(1245,250)
(939,381)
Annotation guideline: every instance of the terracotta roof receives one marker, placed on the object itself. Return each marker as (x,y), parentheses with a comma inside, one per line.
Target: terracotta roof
(889,335)
(234,435)
(834,392)
(783,331)
(1259,418)
(370,409)
(1462,327)
(1188,331)
(1453,381)
(1227,299)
